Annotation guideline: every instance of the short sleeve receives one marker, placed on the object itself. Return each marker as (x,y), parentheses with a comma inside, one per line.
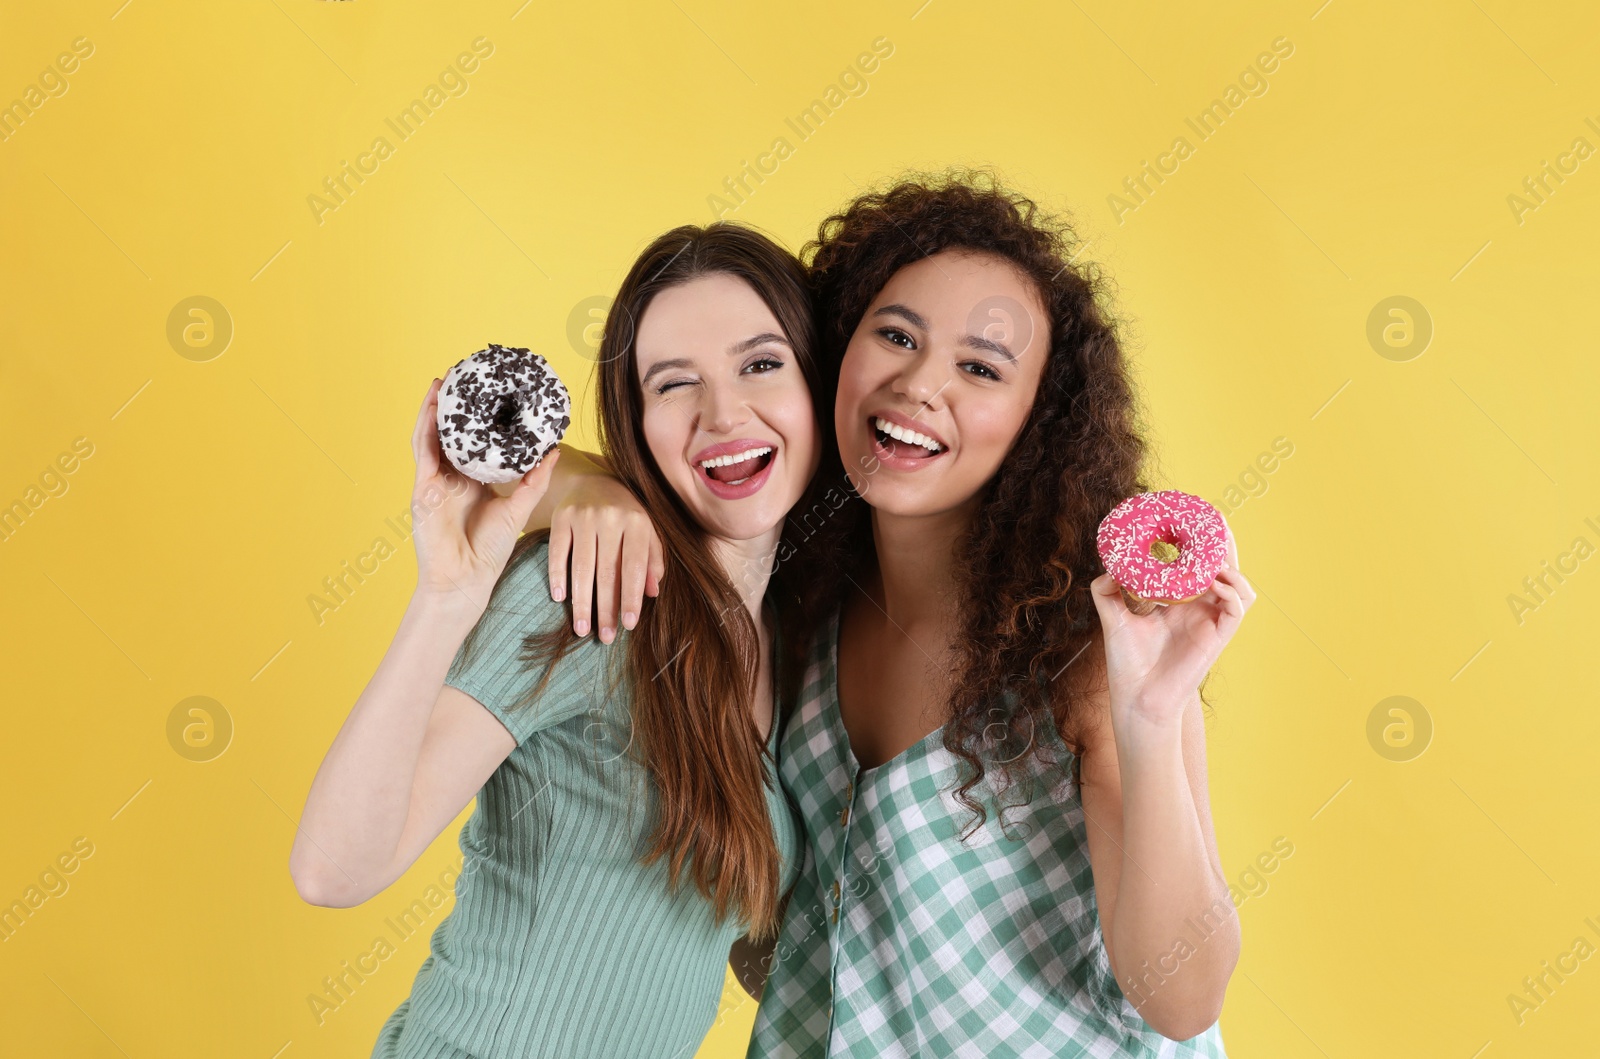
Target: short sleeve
(489,666)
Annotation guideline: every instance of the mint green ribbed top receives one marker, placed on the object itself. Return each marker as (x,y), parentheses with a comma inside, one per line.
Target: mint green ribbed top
(560,943)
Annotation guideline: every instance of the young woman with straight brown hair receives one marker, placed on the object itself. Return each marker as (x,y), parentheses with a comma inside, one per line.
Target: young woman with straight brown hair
(629,836)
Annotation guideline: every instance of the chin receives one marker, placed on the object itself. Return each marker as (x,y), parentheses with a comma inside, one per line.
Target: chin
(741,526)
(894,502)
(911,499)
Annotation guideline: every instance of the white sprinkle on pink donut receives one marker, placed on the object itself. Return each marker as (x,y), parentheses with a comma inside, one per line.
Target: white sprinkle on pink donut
(1189,523)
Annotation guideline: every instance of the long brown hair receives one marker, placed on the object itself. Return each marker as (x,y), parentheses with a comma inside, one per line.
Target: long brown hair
(1024,565)
(693,656)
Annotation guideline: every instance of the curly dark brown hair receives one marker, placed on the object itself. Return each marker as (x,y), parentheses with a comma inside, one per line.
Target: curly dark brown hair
(1025,564)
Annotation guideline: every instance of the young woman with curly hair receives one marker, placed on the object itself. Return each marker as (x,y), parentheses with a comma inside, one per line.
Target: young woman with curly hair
(985,423)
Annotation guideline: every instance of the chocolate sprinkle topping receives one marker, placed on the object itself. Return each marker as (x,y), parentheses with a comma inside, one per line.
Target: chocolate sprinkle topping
(500,411)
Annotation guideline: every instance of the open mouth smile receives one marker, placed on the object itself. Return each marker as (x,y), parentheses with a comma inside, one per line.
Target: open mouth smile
(902,448)
(735,475)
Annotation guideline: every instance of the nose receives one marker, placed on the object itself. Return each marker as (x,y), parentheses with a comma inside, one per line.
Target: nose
(723,411)
(923,376)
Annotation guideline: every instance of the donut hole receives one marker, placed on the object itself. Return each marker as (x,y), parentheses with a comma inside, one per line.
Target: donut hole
(1165,550)
(507,413)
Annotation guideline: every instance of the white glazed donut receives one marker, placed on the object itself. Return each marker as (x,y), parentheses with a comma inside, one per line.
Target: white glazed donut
(500,411)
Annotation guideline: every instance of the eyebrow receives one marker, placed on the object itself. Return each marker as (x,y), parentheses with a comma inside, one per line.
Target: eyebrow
(911,316)
(915,319)
(988,345)
(742,346)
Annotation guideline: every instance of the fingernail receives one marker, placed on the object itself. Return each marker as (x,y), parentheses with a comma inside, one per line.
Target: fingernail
(558,593)
(628,619)
(607,634)
(580,627)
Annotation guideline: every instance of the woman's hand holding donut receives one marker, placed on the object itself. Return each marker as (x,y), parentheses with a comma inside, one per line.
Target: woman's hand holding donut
(1155,661)
(462,530)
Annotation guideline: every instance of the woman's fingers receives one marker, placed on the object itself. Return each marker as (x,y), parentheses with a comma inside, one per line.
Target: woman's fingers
(520,503)
(425,435)
(1233,543)
(560,551)
(1217,614)
(1103,590)
(1243,594)
(635,569)
(582,583)
(658,565)
(608,547)
(1107,595)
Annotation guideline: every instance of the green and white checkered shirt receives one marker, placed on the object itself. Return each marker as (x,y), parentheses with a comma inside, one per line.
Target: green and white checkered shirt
(901,940)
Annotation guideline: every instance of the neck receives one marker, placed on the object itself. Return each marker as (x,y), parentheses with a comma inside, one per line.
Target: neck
(748,566)
(914,582)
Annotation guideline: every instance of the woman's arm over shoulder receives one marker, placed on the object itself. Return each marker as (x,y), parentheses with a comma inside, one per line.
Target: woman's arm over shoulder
(575,466)
(599,529)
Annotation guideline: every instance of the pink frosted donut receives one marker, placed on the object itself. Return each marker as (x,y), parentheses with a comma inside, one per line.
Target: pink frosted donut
(1196,539)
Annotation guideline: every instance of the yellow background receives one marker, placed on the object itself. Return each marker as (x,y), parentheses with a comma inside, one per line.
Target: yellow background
(1419,494)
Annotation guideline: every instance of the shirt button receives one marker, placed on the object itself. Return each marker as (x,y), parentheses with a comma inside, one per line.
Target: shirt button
(836,891)
(844,817)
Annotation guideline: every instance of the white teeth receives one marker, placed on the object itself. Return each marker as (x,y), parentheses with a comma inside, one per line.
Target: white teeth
(737,457)
(900,433)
